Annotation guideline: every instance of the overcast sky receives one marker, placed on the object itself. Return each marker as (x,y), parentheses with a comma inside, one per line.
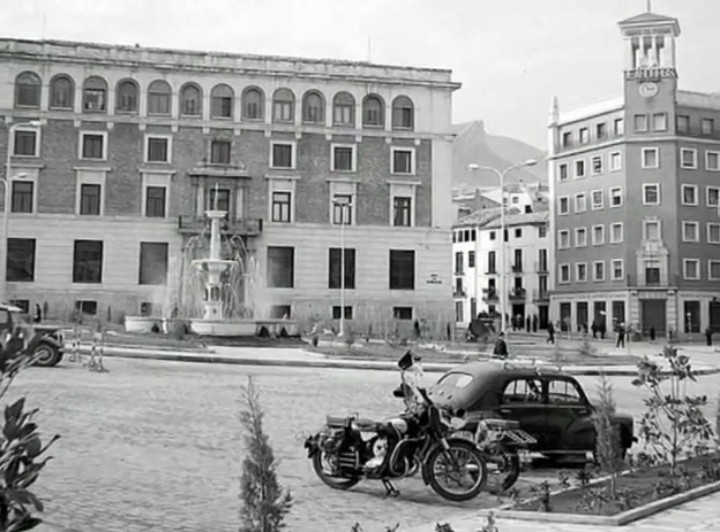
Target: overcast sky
(511,56)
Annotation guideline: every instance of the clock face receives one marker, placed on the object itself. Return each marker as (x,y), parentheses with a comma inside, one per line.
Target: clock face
(648,89)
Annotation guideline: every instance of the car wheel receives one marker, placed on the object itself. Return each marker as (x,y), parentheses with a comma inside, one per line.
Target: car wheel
(46,355)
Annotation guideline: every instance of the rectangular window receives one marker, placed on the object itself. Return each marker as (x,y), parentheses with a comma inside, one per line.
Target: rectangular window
(580,237)
(651,194)
(650,158)
(492,265)
(402,313)
(597,165)
(563,172)
(689,195)
(471,259)
(93,146)
(158,103)
(542,231)
(221,107)
(563,205)
(601,131)
(281,207)
(402,269)
(459,263)
(564,273)
(617,270)
(641,123)
(691,269)
(22,196)
(651,230)
(580,202)
(584,135)
(713,196)
(87,307)
(616,198)
(567,139)
(599,271)
(598,235)
(402,161)
(691,232)
(615,161)
(563,239)
(220,151)
(155,202)
(659,121)
(688,158)
(616,233)
(714,270)
(153,263)
(342,206)
(619,127)
(25,143)
(712,160)
(20,260)
(348,312)
(652,273)
(335,267)
(343,115)
(219,199)
(402,211)
(90,199)
(683,123)
(713,233)
(597,197)
(708,126)
(88,261)
(282,155)
(581,275)
(158,149)
(94,100)
(280,267)
(343,158)
(579,168)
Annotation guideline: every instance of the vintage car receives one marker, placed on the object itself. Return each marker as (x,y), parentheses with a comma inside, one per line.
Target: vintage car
(549,404)
(47,343)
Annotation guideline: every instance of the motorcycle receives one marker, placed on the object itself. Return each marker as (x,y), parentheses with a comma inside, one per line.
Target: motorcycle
(349,449)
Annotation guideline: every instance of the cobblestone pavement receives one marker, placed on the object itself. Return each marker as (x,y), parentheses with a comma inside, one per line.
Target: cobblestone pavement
(156,446)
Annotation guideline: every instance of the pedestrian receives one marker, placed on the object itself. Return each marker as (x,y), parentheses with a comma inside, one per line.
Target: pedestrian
(38,313)
(620,336)
(652,333)
(528,324)
(535,323)
(708,335)
(551,333)
(594,328)
(603,330)
(501,350)
(416,329)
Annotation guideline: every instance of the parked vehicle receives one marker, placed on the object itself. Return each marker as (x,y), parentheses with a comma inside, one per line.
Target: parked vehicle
(548,404)
(47,344)
(348,449)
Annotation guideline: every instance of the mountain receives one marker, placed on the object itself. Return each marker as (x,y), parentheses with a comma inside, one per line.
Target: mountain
(473,145)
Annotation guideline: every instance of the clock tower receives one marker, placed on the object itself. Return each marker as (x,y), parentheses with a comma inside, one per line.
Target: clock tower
(650,70)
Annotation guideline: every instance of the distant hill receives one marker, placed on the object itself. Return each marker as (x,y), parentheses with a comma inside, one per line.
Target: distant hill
(473,145)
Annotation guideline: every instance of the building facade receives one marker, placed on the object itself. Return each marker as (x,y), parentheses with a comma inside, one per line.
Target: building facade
(636,182)
(478,268)
(116,152)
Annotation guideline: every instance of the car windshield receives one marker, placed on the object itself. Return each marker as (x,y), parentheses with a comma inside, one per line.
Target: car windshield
(455,380)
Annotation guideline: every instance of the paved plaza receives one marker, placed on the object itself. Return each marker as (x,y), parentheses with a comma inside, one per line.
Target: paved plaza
(155,445)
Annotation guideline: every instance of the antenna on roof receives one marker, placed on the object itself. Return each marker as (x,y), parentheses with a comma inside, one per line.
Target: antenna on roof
(649,6)
(44,26)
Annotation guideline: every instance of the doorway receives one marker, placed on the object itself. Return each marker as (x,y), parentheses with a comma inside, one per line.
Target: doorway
(653,315)
(715,316)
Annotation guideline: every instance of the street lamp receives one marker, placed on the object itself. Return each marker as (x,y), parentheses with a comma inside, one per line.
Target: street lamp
(501,273)
(6,195)
(344,202)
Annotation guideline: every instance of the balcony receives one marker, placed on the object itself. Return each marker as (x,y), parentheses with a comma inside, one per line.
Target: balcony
(517,293)
(489,294)
(190,225)
(516,268)
(541,266)
(491,271)
(459,292)
(541,295)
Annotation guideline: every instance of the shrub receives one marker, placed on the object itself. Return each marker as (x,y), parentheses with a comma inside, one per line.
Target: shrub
(264,503)
(608,451)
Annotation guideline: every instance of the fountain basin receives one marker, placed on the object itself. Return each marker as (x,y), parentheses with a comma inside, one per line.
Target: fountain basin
(247,327)
(141,324)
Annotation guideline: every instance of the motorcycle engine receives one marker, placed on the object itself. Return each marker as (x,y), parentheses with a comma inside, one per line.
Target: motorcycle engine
(379,449)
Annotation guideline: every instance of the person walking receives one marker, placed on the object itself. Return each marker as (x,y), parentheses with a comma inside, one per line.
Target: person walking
(708,335)
(38,313)
(620,335)
(501,350)
(551,333)
(652,334)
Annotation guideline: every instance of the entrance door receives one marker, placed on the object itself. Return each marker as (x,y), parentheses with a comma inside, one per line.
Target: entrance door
(543,314)
(581,315)
(715,316)
(565,317)
(653,315)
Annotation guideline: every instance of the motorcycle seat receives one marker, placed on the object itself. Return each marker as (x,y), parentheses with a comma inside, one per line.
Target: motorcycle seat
(365,425)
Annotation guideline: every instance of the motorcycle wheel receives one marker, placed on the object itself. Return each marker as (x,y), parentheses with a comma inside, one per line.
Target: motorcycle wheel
(334,482)
(503,471)
(461,455)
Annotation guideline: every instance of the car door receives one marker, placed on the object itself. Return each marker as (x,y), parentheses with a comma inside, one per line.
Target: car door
(567,414)
(522,400)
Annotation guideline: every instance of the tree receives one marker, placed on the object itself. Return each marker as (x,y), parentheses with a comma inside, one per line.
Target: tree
(607,443)
(264,503)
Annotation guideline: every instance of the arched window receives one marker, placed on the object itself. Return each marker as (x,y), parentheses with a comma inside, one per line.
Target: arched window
(95,95)
(252,104)
(190,100)
(403,113)
(62,92)
(313,108)
(344,109)
(159,98)
(373,111)
(283,106)
(221,105)
(27,90)
(126,96)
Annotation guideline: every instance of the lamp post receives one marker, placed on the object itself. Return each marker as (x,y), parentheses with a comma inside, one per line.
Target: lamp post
(501,271)
(343,203)
(6,195)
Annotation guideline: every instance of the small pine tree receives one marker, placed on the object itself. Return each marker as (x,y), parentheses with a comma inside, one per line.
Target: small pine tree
(264,503)
(607,441)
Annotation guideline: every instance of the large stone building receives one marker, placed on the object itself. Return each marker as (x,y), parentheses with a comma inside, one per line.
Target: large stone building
(636,182)
(116,152)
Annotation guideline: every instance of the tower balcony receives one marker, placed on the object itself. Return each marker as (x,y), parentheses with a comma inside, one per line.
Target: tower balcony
(489,294)
(517,293)
(192,225)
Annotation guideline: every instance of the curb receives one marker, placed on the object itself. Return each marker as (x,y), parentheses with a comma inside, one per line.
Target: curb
(439,367)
